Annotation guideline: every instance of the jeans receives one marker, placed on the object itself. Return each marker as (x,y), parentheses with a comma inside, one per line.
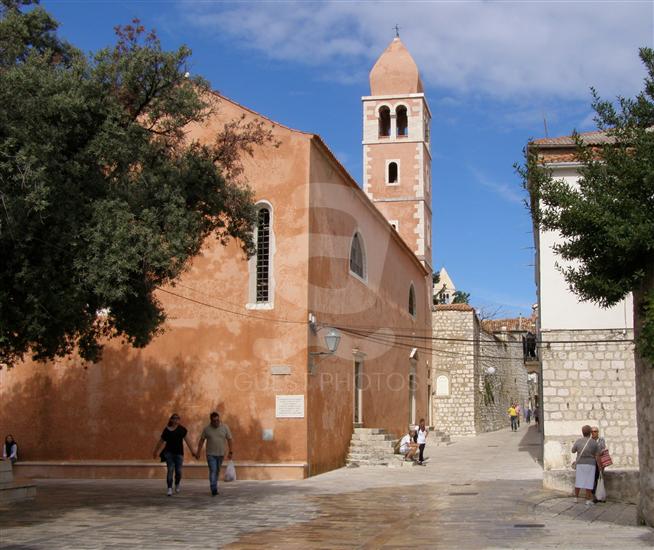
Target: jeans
(214,462)
(173,463)
(514,423)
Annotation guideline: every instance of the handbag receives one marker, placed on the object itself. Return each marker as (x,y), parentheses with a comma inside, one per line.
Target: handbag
(605,459)
(574,462)
(600,491)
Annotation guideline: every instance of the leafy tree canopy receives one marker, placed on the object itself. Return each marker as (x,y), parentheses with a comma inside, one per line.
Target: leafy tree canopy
(102,199)
(607,218)
(460,297)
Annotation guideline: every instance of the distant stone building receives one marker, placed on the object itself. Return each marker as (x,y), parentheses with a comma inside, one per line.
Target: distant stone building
(476,374)
(586,352)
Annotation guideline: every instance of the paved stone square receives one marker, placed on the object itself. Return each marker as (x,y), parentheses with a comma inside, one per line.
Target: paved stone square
(482,492)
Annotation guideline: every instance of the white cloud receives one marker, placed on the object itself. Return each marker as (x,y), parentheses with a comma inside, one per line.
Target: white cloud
(502,49)
(509,192)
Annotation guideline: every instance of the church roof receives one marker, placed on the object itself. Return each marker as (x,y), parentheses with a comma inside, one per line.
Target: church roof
(395,72)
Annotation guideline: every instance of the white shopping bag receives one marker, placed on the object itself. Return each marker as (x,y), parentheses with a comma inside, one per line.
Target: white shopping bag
(600,492)
(230,471)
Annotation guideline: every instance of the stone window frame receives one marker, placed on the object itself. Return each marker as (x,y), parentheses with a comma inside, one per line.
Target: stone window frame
(253,261)
(412,304)
(386,172)
(364,257)
(449,386)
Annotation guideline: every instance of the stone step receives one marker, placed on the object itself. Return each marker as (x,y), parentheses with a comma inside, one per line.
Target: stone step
(17,492)
(372,437)
(387,446)
(369,431)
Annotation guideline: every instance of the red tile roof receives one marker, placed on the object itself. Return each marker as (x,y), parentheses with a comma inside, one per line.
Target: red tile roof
(596,137)
(453,307)
(519,324)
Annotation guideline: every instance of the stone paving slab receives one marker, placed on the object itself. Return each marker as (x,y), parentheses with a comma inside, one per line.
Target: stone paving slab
(470,495)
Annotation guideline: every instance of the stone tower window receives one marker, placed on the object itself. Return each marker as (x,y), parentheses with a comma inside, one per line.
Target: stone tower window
(412,300)
(384,121)
(263,255)
(392,172)
(402,121)
(357,257)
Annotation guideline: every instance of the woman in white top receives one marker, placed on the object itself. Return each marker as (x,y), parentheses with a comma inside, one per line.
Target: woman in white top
(422,439)
(10,449)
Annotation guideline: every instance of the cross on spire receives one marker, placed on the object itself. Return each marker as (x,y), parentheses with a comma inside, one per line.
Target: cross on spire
(397,30)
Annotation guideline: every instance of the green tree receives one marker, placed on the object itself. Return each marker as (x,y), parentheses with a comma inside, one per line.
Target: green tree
(102,198)
(607,224)
(460,297)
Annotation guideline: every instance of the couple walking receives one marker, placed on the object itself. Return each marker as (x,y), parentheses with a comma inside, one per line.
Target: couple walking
(170,448)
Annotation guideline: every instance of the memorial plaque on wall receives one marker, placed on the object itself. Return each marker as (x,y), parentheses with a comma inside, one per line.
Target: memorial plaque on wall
(289,406)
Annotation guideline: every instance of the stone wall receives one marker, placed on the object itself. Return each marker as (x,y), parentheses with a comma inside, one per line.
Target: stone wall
(588,381)
(453,358)
(496,392)
(463,353)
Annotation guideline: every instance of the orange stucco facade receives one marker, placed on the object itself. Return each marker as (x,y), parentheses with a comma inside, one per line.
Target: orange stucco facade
(221,350)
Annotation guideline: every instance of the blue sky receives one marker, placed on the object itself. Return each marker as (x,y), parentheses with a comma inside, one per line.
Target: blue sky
(492,71)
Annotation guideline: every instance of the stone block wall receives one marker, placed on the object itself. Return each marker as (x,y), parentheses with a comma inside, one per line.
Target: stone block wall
(588,381)
(453,358)
(507,385)
(476,401)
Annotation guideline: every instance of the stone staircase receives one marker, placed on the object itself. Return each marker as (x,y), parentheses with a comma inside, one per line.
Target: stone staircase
(372,447)
(11,491)
(376,447)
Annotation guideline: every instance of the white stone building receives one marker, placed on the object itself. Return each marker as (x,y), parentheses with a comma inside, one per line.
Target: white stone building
(588,372)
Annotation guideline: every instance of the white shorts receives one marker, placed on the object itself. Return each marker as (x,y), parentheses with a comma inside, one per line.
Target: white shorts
(404,449)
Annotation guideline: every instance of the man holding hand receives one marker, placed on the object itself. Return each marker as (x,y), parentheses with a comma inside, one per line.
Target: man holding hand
(217,436)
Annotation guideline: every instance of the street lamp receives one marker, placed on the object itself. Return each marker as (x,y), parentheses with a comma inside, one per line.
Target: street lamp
(332,339)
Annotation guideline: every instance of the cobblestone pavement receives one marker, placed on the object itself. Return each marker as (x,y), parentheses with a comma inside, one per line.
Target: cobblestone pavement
(482,492)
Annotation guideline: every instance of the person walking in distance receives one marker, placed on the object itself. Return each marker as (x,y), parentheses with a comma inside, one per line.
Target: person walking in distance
(518,410)
(513,415)
(217,436)
(422,439)
(172,442)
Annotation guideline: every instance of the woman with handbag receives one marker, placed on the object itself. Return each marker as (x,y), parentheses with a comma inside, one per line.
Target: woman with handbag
(585,464)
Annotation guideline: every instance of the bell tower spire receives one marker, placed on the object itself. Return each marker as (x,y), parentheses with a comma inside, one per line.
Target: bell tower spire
(397,148)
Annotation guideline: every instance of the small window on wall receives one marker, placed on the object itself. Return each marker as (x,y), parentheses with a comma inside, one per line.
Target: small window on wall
(263,255)
(412,300)
(442,386)
(384,121)
(357,257)
(393,173)
(402,121)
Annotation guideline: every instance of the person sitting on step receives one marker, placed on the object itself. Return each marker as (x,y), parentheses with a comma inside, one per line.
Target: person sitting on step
(408,447)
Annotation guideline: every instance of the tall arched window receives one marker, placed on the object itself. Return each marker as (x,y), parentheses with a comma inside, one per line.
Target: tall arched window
(357,257)
(384,121)
(263,255)
(412,300)
(392,172)
(442,386)
(402,121)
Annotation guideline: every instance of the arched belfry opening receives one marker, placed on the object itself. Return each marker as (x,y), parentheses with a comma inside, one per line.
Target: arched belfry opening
(402,121)
(384,121)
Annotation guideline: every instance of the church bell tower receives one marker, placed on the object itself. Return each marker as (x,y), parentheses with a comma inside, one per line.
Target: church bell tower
(397,150)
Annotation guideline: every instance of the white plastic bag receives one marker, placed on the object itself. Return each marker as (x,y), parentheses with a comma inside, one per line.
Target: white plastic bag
(600,492)
(230,472)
